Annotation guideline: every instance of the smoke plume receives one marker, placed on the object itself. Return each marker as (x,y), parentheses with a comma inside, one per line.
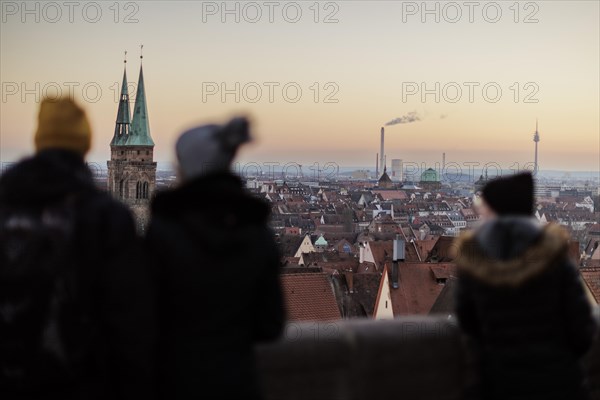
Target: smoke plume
(405,119)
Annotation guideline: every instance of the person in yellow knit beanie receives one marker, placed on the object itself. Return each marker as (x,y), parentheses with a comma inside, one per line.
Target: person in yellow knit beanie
(83,319)
(62,124)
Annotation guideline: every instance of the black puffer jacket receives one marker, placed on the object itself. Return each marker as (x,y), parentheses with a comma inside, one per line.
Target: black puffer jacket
(521,299)
(217,271)
(113,289)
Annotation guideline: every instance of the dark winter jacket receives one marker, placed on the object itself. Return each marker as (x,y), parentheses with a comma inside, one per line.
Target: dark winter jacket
(110,287)
(219,293)
(521,299)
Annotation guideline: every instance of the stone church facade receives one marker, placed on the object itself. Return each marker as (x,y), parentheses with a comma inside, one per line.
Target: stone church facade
(131,169)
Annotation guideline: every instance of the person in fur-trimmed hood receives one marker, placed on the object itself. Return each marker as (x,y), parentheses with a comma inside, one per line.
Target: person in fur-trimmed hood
(520,298)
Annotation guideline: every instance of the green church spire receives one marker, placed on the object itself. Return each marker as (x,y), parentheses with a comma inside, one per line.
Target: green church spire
(140,127)
(123,123)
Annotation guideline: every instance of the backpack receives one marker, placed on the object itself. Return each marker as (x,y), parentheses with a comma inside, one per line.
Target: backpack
(44,330)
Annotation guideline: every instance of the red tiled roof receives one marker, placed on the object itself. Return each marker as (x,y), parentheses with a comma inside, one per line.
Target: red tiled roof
(444,304)
(591,277)
(309,297)
(425,246)
(391,194)
(443,249)
(366,267)
(366,290)
(382,251)
(418,288)
(291,260)
(440,271)
(288,244)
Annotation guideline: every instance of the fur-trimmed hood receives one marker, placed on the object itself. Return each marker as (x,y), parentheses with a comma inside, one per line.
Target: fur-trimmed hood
(509,252)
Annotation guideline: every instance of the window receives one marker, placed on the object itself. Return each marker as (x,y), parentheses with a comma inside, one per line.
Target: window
(121,188)
(138,152)
(142,190)
(147,152)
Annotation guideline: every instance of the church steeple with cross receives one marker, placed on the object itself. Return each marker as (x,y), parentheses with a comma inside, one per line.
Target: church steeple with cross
(131,169)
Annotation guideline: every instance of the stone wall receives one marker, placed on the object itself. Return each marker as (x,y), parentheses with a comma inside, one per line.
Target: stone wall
(132,153)
(132,180)
(423,358)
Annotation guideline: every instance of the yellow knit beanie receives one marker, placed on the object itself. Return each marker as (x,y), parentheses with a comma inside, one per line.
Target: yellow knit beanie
(62,124)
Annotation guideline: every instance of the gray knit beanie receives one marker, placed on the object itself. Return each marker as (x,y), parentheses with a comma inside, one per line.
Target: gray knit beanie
(208,149)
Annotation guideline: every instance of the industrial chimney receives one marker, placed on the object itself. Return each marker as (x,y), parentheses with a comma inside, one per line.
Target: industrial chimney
(382,151)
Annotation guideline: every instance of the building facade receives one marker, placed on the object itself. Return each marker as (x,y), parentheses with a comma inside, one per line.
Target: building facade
(397,170)
(131,169)
(430,180)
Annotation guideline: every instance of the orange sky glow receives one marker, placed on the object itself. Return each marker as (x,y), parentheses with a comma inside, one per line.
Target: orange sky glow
(318,83)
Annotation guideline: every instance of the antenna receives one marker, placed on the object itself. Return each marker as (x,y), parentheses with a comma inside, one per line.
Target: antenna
(125,59)
(141,51)
(536,139)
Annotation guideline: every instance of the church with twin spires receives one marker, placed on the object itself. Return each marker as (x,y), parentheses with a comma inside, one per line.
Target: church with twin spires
(131,169)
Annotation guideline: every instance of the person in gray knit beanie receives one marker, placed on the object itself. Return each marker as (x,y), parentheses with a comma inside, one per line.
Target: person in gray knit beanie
(208,149)
(206,231)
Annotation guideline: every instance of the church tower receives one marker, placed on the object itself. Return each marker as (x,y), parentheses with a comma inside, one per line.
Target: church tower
(131,169)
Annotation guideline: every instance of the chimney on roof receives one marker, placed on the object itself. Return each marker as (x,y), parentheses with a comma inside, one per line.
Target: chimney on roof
(398,255)
(361,252)
(395,275)
(350,280)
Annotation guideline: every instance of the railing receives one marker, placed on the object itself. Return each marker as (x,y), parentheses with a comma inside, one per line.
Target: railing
(423,358)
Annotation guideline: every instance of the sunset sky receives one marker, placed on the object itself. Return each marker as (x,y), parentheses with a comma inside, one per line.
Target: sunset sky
(368,57)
